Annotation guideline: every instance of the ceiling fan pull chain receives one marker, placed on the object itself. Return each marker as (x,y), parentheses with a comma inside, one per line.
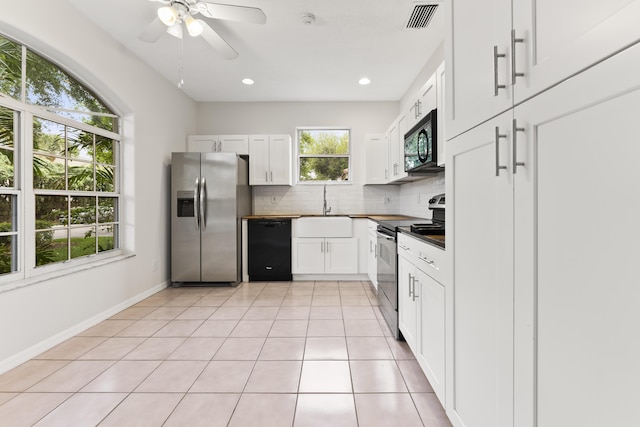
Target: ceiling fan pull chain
(180,67)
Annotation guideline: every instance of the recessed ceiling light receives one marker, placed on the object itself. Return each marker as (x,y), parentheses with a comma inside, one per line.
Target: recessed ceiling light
(364,81)
(247,81)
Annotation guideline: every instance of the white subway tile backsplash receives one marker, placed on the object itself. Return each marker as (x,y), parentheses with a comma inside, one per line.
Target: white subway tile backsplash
(349,198)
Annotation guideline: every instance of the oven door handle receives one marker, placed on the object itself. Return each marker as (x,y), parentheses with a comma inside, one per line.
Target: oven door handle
(385,236)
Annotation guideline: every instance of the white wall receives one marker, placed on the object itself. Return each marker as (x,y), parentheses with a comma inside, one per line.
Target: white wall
(157,119)
(362,118)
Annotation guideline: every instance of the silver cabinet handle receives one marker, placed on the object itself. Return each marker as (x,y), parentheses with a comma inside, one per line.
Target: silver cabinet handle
(375,250)
(271,176)
(425,259)
(498,136)
(410,281)
(327,247)
(203,204)
(516,129)
(514,40)
(496,85)
(266,176)
(414,290)
(196,202)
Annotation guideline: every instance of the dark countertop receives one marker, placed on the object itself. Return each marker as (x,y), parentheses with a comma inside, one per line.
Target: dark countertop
(435,240)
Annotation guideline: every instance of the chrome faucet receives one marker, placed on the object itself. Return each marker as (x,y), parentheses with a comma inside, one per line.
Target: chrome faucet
(325,210)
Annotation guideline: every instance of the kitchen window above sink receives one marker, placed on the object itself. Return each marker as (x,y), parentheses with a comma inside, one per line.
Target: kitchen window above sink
(323,154)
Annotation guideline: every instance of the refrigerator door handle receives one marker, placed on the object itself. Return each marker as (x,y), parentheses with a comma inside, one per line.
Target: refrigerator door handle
(203,204)
(196,202)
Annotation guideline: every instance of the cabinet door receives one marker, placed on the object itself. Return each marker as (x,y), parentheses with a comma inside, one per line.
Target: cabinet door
(440,116)
(425,102)
(308,256)
(280,160)
(202,143)
(480,247)
(577,294)
(431,331)
(258,160)
(394,151)
(428,98)
(238,144)
(372,260)
(407,307)
(402,129)
(341,255)
(474,29)
(562,38)
(377,159)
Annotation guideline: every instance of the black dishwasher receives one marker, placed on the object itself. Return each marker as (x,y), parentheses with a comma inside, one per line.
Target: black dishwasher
(269,249)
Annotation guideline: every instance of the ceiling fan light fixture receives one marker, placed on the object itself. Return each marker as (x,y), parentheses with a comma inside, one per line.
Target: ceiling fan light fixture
(175,30)
(194,27)
(168,15)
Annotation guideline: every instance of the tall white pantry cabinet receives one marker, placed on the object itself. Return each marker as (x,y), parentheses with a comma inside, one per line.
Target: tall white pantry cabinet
(543,207)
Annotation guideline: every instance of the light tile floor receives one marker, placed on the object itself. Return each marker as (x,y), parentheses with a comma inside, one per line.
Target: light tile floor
(278,354)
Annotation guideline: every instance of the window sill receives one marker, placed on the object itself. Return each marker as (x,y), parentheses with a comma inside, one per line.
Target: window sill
(61,272)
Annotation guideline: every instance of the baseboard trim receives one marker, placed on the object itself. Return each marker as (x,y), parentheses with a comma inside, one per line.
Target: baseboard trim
(29,353)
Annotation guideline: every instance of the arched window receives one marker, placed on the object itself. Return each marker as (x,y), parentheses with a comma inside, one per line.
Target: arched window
(59,167)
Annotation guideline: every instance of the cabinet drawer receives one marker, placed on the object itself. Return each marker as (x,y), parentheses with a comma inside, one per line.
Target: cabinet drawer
(426,257)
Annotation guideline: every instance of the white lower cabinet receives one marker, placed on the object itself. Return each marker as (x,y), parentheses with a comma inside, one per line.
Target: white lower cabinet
(316,255)
(372,252)
(544,306)
(421,307)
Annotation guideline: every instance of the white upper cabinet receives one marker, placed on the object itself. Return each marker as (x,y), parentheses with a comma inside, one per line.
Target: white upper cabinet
(377,159)
(496,62)
(555,39)
(425,102)
(238,144)
(478,87)
(396,149)
(270,160)
(234,144)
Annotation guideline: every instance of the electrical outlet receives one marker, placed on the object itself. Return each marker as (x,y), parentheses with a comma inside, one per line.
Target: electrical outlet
(274,200)
(154,265)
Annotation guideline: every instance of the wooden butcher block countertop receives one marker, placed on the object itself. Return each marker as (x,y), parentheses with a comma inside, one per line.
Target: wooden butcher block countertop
(375,217)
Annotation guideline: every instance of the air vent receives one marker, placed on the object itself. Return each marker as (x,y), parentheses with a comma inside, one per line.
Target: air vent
(421,15)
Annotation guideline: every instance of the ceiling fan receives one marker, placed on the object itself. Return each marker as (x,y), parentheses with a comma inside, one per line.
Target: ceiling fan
(177,12)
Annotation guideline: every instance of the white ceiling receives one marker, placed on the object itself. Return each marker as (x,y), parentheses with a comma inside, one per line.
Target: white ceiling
(288,60)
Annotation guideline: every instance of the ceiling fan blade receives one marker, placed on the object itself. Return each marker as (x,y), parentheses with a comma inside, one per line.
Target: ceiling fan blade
(232,13)
(153,31)
(217,42)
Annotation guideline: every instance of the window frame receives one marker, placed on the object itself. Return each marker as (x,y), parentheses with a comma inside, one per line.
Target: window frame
(27,271)
(299,156)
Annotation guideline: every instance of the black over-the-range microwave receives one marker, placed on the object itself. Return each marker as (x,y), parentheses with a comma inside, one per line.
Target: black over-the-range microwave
(421,146)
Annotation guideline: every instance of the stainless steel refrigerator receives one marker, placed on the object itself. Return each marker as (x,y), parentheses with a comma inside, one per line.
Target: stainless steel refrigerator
(209,194)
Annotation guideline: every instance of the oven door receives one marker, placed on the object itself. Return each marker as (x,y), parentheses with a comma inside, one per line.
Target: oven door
(387,283)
